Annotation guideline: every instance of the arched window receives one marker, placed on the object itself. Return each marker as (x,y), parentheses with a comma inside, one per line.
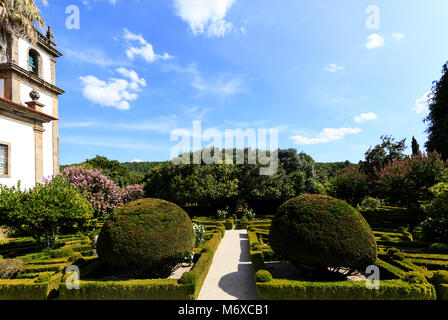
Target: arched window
(33,60)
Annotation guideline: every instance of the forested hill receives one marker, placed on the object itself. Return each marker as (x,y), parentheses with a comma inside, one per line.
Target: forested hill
(140,167)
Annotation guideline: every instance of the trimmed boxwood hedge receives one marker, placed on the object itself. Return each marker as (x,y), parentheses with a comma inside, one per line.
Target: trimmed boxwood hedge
(186,288)
(348,290)
(29,289)
(230,224)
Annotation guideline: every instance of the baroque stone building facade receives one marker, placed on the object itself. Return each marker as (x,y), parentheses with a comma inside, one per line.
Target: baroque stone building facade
(29,109)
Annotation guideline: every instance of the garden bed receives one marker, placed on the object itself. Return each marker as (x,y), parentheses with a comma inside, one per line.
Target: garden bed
(290,283)
(187,287)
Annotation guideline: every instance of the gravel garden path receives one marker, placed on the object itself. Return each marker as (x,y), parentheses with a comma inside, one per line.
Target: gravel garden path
(230,276)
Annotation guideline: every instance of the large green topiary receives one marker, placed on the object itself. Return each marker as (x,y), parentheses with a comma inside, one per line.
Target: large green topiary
(321,231)
(146,235)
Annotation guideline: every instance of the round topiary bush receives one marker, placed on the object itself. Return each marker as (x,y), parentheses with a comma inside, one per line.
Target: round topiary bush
(145,235)
(263,276)
(321,231)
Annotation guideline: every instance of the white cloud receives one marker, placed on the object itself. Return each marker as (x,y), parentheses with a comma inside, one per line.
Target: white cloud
(421,105)
(137,161)
(224,84)
(332,67)
(325,136)
(398,35)
(374,41)
(133,76)
(365,117)
(116,93)
(144,49)
(205,16)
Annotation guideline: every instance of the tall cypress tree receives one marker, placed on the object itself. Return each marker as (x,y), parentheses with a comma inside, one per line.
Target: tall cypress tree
(438,116)
(415,147)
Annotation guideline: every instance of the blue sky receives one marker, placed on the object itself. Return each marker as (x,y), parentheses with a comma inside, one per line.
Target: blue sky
(136,70)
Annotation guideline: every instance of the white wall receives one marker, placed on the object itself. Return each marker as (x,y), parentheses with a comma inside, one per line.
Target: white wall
(21,138)
(48,134)
(24,47)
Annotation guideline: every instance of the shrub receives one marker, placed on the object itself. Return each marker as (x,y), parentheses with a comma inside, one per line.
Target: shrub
(350,184)
(199,231)
(370,203)
(435,229)
(279,289)
(103,193)
(132,193)
(75,256)
(234,217)
(438,206)
(263,276)
(249,214)
(44,277)
(188,278)
(414,277)
(244,222)
(229,224)
(222,214)
(9,268)
(61,252)
(321,231)
(146,234)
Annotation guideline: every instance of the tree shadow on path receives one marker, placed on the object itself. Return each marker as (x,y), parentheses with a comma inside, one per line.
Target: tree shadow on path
(241,284)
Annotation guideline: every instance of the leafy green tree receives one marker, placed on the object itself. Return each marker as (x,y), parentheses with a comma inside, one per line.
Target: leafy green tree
(387,151)
(415,147)
(214,187)
(112,169)
(43,210)
(438,206)
(208,186)
(349,185)
(438,116)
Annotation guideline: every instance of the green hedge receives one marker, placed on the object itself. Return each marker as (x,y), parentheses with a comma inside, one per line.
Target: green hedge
(154,289)
(256,253)
(389,271)
(348,290)
(229,224)
(442,291)
(151,289)
(28,289)
(389,217)
(202,266)
(430,264)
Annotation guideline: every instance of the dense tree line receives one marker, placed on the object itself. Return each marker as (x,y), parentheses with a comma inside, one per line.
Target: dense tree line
(202,189)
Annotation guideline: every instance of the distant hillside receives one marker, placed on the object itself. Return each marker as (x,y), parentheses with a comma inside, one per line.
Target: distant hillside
(140,167)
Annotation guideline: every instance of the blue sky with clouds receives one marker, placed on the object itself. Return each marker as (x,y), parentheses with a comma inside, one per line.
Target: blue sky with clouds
(136,70)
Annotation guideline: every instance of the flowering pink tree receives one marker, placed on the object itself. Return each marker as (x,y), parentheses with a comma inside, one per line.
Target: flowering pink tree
(407,181)
(131,193)
(103,193)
